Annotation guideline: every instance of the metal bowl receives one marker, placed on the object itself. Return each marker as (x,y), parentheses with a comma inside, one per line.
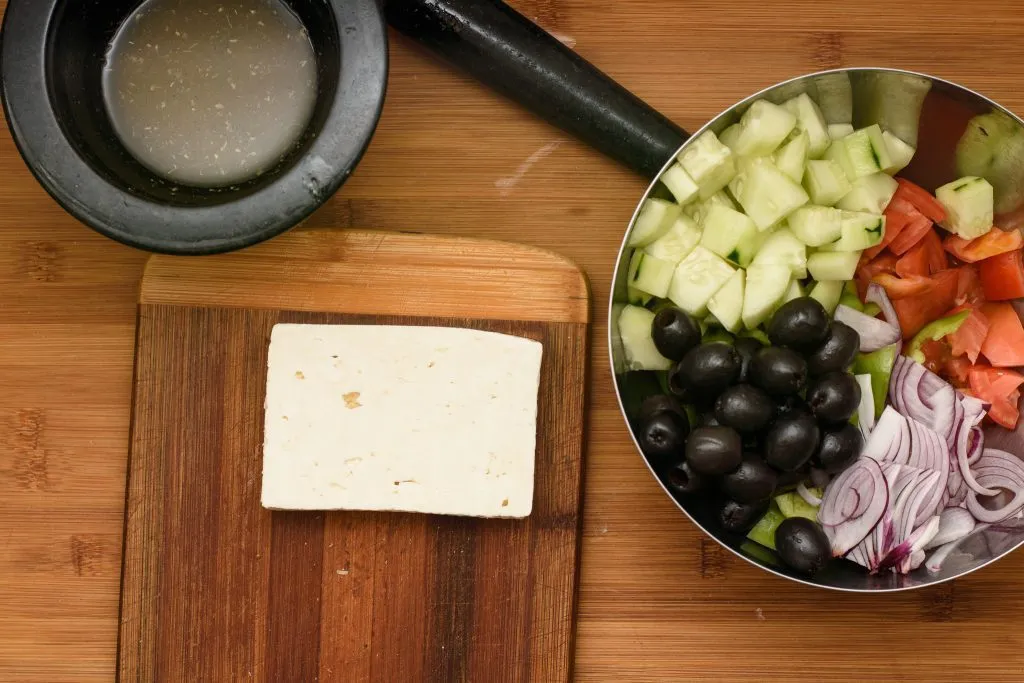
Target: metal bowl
(876,94)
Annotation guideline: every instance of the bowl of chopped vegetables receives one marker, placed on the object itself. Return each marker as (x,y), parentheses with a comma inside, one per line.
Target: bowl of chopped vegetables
(815,329)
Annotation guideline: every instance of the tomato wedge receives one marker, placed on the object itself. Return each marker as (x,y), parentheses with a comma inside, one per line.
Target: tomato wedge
(937,259)
(970,336)
(921,199)
(910,235)
(894,224)
(1004,344)
(992,243)
(1002,276)
(936,355)
(914,262)
(899,204)
(917,311)
(1001,388)
(969,290)
(902,287)
(957,371)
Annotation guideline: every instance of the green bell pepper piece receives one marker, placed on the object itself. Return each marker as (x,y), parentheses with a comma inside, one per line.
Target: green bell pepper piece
(764,531)
(851,301)
(879,365)
(757,334)
(717,334)
(872,309)
(933,331)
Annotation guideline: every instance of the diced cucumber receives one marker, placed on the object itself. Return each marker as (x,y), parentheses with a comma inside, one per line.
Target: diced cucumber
(838,131)
(655,218)
(826,182)
(764,127)
(637,344)
(731,135)
(867,151)
(810,120)
(870,194)
(650,274)
(828,294)
(791,157)
(816,225)
(782,248)
(835,97)
(833,265)
(700,209)
(710,163)
(969,206)
(850,298)
(900,153)
(764,531)
(636,297)
(680,184)
(727,303)
(697,279)
(860,231)
(792,505)
(765,287)
(766,194)
(677,243)
(992,148)
(730,234)
(794,291)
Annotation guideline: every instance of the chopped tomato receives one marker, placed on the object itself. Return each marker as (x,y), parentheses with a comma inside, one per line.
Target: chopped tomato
(914,262)
(894,224)
(936,355)
(910,235)
(937,259)
(970,336)
(969,289)
(1002,277)
(902,287)
(900,205)
(956,371)
(868,268)
(1004,344)
(917,311)
(992,243)
(922,200)
(1001,388)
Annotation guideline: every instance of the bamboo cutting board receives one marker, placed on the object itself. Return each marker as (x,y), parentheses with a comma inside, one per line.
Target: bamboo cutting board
(216,588)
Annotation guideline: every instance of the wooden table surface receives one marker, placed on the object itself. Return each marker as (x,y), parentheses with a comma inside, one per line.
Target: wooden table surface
(658,601)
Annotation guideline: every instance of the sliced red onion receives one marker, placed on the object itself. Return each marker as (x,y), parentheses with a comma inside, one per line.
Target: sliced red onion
(954,524)
(876,294)
(905,511)
(874,333)
(924,396)
(866,409)
(807,495)
(921,536)
(997,470)
(913,561)
(938,558)
(853,504)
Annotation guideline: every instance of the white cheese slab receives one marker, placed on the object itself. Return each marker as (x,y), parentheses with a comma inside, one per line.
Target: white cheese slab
(417,419)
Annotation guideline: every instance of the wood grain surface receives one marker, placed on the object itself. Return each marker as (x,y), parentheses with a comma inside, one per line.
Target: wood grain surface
(217,588)
(657,601)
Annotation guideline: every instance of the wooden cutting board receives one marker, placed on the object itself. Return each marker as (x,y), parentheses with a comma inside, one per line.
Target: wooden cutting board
(216,588)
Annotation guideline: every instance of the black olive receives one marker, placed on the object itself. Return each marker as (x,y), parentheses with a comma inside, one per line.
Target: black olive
(714,450)
(791,406)
(682,479)
(779,371)
(837,352)
(674,332)
(799,324)
(741,518)
(834,397)
(659,403)
(663,436)
(708,369)
(788,480)
(746,347)
(752,481)
(802,545)
(839,448)
(745,408)
(791,442)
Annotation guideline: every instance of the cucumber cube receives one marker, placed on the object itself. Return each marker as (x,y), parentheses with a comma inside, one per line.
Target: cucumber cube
(794,291)
(677,243)
(731,135)
(730,234)
(697,279)
(825,182)
(636,297)
(637,344)
(827,293)
(810,120)
(816,226)
(838,131)
(860,231)
(870,194)
(680,184)
(727,303)
(833,265)
(654,220)
(782,248)
(649,274)
(766,194)
(791,157)
(710,163)
(764,127)
(766,286)
(900,153)
(699,210)
(866,151)
(969,206)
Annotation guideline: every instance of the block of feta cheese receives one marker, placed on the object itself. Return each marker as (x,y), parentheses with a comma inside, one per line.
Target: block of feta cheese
(416,419)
